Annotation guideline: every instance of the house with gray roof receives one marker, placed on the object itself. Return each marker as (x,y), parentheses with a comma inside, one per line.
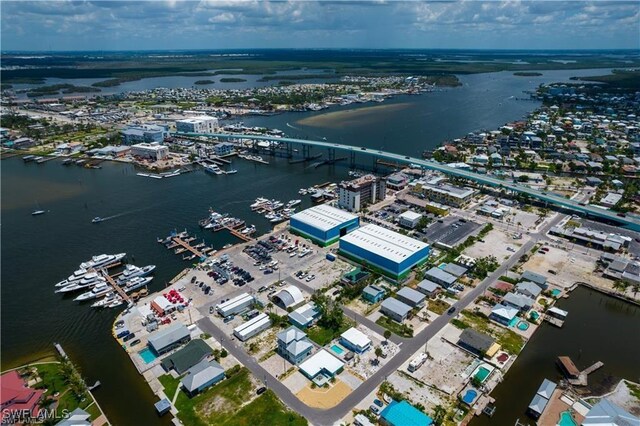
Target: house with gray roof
(518,301)
(293,345)
(606,413)
(541,280)
(185,358)
(168,338)
(304,316)
(441,277)
(373,293)
(537,406)
(529,289)
(456,270)
(475,342)
(395,309)
(428,288)
(411,297)
(201,376)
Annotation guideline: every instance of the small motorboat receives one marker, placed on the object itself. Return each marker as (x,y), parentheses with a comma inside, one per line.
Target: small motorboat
(97,219)
(37,212)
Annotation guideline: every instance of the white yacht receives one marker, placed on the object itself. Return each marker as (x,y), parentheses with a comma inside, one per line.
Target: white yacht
(99,290)
(136,283)
(259,203)
(132,271)
(105,301)
(88,281)
(293,203)
(78,274)
(102,260)
(214,169)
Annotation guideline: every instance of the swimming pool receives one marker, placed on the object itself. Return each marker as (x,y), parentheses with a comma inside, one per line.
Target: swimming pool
(482,374)
(566,419)
(555,292)
(534,315)
(522,325)
(147,355)
(469,396)
(337,349)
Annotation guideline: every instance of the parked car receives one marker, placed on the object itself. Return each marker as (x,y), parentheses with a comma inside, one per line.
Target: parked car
(228,319)
(377,402)
(135,342)
(451,310)
(261,390)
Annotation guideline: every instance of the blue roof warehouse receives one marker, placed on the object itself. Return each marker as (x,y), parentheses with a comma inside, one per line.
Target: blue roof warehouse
(323,224)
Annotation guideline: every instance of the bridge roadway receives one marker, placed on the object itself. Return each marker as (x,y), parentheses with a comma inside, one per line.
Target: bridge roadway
(629,221)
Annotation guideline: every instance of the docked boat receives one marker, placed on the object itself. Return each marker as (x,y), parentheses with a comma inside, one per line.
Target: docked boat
(293,203)
(37,212)
(136,283)
(102,260)
(231,172)
(132,271)
(78,274)
(28,158)
(260,202)
(67,162)
(98,291)
(90,280)
(105,301)
(97,219)
(213,169)
(249,230)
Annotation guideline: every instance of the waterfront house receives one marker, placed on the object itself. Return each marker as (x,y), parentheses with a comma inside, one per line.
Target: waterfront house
(606,413)
(293,345)
(16,396)
(182,360)
(403,414)
(355,340)
(201,376)
(373,293)
(305,316)
(529,289)
(537,406)
(538,279)
(478,343)
(519,301)
(503,314)
(168,338)
(77,417)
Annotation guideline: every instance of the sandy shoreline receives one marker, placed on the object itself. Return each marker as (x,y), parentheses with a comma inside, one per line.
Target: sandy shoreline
(351,117)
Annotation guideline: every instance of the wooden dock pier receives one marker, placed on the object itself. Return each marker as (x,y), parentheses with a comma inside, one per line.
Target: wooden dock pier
(554,321)
(115,286)
(188,246)
(239,234)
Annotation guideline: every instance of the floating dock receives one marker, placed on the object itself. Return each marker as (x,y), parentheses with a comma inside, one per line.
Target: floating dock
(115,286)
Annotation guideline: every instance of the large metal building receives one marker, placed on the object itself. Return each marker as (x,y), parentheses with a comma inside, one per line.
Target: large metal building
(323,224)
(387,251)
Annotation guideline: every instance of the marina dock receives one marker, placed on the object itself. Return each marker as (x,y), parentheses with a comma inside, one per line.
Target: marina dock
(584,374)
(236,233)
(115,286)
(179,241)
(554,321)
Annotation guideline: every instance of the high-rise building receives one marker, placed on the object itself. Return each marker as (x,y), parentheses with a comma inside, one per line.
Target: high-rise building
(355,194)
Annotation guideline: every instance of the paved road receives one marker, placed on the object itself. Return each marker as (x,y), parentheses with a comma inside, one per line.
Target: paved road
(407,349)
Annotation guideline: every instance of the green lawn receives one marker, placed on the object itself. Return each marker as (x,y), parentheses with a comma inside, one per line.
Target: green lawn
(266,410)
(323,336)
(394,327)
(53,381)
(508,339)
(438,306)
(169,384)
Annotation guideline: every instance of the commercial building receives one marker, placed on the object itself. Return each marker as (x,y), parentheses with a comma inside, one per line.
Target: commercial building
(411,297)
(288,297)
(168,338)
(304,316)
(397,181)
(201,376)
(235,305)
(428,288)
(606,413)
(252,327)
(16,396)
(321,367)
(450,195)
(503,314)
(200,124)
(323,224)
(409,219)
(478,343)
(355,340)
(440,277)
(403,414)
(355,194)
(395,309)
(145,133)
(293,345)
(373,293)
(185,358)
(387,251)
(153,151)
(223,148)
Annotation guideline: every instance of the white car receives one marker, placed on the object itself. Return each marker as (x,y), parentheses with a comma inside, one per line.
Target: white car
(310,277)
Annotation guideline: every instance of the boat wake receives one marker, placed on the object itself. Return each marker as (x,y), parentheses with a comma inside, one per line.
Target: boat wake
(292,127)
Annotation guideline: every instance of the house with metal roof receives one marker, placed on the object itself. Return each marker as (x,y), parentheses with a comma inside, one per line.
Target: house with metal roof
(395,309)
(321,367)
(77,417)
(428,288)
(373,293)
(476,342)
(606,413)
(304,316)
(323,224)
(288,297)
(529,289)
(185,358)
(518,301)
(546,389)
(383,250)
(201,376)
(537,406)
(540,280)
(235,305)
(440,277)
(404,414)
(355,340)
(253,327)
(411,297)
(293,345)
(454,269)
(168,338)
(503,314)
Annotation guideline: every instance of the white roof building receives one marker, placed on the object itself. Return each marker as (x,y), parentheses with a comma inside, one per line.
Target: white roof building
(389,244)
(323,217)
(321,362)
(252,327)
(289,296)
(235,305)
(355,340)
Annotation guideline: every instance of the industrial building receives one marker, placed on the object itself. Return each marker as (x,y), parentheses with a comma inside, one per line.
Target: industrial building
(200,124)
(355,340)
(168,338)
(383,250)
(288,297)
(450,195)
(323,224)
(395,309)
(355,194)
(153,151)
(235,305)
(252,327)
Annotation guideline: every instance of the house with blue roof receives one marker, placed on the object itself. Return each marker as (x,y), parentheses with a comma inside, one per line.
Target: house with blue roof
(404,414)
(373,293)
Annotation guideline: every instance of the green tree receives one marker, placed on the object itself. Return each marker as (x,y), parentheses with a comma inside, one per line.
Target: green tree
(387,334)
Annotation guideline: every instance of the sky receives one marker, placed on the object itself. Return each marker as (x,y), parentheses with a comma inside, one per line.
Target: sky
(233,24)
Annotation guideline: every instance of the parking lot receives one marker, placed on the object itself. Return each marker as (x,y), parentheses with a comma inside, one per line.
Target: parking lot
(450,231)
(496,243)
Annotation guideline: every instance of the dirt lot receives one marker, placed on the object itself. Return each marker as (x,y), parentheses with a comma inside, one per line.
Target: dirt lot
(322,397)
(495,244)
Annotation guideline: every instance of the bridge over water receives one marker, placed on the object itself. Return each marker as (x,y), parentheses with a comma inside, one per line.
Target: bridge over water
(628,221)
